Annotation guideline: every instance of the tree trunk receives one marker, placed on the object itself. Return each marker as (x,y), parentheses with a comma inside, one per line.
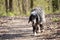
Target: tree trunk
(10,5)
(31,4)
(6,5)
(23,6)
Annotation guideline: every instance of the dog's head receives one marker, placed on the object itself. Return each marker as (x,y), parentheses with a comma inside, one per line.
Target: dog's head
(32,18)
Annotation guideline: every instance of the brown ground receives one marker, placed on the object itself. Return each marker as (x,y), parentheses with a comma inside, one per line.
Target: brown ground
(17,28)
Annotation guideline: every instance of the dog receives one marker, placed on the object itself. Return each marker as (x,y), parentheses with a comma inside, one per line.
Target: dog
(37,18)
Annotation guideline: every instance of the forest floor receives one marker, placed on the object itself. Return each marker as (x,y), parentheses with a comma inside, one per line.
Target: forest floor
(17,28)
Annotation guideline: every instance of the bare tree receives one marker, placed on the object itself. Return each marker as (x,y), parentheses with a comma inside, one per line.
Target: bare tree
(6,5)
(10,5)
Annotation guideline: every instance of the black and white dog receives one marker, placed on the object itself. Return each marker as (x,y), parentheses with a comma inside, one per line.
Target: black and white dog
(37,18)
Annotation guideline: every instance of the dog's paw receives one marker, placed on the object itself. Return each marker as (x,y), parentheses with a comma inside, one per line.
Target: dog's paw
(34,33)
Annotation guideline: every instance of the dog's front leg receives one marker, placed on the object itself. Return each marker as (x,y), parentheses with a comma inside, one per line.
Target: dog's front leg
(34,29)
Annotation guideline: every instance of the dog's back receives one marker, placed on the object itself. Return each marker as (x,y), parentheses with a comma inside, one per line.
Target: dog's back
(37,13)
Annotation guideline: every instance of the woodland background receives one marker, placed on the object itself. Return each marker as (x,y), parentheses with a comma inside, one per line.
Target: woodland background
(23,7)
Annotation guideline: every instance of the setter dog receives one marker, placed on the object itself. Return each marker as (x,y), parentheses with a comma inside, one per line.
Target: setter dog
(37,18)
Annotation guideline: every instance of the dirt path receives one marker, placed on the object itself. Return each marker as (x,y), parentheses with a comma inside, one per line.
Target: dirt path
(18,29)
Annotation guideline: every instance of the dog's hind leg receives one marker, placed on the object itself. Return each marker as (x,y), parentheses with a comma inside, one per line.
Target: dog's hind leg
(41,27)
(38,29)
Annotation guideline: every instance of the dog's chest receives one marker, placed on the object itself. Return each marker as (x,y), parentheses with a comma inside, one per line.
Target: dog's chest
(34,20)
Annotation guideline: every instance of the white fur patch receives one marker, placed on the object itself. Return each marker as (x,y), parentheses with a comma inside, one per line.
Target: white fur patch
(34,13)
(35,34)
(34,20)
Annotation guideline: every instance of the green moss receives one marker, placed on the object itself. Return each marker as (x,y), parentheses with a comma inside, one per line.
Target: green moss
(3,14)
(45,4)
(56,19)
(10,14)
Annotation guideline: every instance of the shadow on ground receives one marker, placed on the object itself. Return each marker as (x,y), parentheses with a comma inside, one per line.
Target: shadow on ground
(24,35)
(10,36)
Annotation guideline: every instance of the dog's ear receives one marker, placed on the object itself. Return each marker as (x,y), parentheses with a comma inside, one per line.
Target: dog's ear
(30,18)
(28,21)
